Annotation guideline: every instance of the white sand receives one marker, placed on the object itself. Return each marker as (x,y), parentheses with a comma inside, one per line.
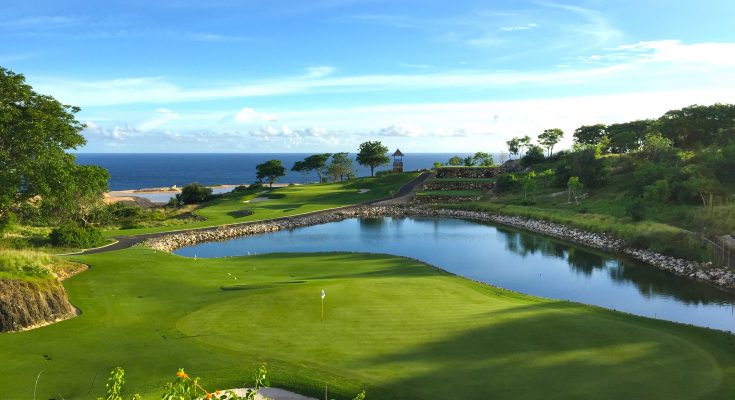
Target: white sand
(363,190)
(256,200)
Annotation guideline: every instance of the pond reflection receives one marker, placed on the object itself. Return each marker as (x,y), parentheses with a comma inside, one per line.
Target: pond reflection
(509,258)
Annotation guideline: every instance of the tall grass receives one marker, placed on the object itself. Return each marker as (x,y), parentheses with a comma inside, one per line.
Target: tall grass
(26,264)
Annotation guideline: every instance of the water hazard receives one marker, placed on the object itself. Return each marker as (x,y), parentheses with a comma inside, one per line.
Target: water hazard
(516,260)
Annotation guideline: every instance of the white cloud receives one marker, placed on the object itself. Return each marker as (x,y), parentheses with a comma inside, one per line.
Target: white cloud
(404,130)
(163,115)
(515,28)
(633,65)
(249,116)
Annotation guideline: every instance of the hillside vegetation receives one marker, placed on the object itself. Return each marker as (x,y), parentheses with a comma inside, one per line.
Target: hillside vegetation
(662,184)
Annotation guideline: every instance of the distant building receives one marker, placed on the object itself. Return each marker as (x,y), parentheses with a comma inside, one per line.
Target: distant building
(398,161)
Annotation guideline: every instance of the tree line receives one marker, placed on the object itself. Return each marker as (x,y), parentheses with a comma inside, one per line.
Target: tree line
(371,154)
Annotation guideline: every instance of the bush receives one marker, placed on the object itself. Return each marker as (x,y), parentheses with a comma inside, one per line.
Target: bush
(506,182)
(7,222)
(534,155)
(194,193)
(72,235)
(384,172)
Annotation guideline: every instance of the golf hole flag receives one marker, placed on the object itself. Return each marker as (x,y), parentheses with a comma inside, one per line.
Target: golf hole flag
(323,294)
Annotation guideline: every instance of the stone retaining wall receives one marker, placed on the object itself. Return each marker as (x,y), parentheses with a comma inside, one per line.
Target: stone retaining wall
(469,172)
(464,185)
(701,271)
(426,199)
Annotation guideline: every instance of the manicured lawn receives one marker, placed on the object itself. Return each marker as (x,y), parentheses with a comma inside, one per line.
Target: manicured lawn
(286,201)
(394,326)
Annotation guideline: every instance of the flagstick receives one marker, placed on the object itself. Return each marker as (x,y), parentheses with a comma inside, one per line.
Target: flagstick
(322,309)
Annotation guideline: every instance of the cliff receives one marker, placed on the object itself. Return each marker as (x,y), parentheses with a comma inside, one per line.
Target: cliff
(29,303)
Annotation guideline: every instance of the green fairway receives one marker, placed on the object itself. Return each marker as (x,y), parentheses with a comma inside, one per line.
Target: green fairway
(286,201)
(394,326)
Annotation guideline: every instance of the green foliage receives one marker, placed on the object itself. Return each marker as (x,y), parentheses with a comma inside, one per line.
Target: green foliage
(437,165)
(530,184)
(372,154)
(271,170)
(514,146)
(24,263)
(696,126)
(194,193)
(590,134)
(35,132)
(549,138)
(72,235)
(483,159)
(455,161)
(316,163)
(628,136)
(534,155)
(7,222)
(114,386)
(341,168)
(506,182)
(575,188)
(468,161)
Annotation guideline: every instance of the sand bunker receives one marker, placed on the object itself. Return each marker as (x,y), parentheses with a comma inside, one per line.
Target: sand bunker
(256,200)
(363,190)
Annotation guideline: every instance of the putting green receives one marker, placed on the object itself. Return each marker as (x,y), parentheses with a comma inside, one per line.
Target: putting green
(394,326)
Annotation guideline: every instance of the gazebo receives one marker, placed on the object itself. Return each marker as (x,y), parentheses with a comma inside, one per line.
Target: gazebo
(398,161)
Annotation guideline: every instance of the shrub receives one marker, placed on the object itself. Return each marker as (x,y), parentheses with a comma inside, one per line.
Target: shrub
(73,235)
(506,182)
(534,155)
(384,172)
(194,193)
(7,222)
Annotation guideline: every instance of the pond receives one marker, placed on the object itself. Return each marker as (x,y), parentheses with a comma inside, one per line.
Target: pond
(516,260)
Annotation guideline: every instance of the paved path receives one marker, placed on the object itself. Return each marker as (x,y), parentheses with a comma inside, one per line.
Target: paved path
(123,242)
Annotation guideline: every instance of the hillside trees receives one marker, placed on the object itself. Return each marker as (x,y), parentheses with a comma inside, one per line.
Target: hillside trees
(549,138)
(36,130)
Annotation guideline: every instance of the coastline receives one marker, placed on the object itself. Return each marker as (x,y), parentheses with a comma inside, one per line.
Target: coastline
(151,197)
(705,272)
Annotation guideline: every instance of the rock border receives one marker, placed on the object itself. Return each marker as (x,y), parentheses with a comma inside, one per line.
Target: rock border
(706,272)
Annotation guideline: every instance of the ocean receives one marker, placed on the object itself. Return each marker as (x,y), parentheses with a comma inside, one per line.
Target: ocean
(137,170)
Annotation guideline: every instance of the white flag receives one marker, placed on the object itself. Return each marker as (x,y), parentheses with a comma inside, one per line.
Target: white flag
(323,294)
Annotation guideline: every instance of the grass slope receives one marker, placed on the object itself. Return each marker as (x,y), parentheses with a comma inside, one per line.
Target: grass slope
(287,201)
(395,326)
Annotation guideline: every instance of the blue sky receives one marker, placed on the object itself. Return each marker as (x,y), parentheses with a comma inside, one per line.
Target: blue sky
(325,75)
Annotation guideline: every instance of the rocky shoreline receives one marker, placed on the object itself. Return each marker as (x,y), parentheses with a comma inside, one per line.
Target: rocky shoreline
(706,272)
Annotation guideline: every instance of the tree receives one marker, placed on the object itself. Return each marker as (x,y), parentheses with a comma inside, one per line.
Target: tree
(85,185)
(437,165)
(695,126)
(301,167)
(193,193)
(656,146)
(549,138)
(36,130)
(483,159)
(529,184)
(341,167)
(534,155)
(514,146)
(270,170)
(468,161)
(372,154)
(524,142)
(627,136)
(455,161)
(575,188)
(590,134)
(317,163)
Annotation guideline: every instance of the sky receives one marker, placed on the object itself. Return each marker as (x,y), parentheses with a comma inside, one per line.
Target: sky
(326,75)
